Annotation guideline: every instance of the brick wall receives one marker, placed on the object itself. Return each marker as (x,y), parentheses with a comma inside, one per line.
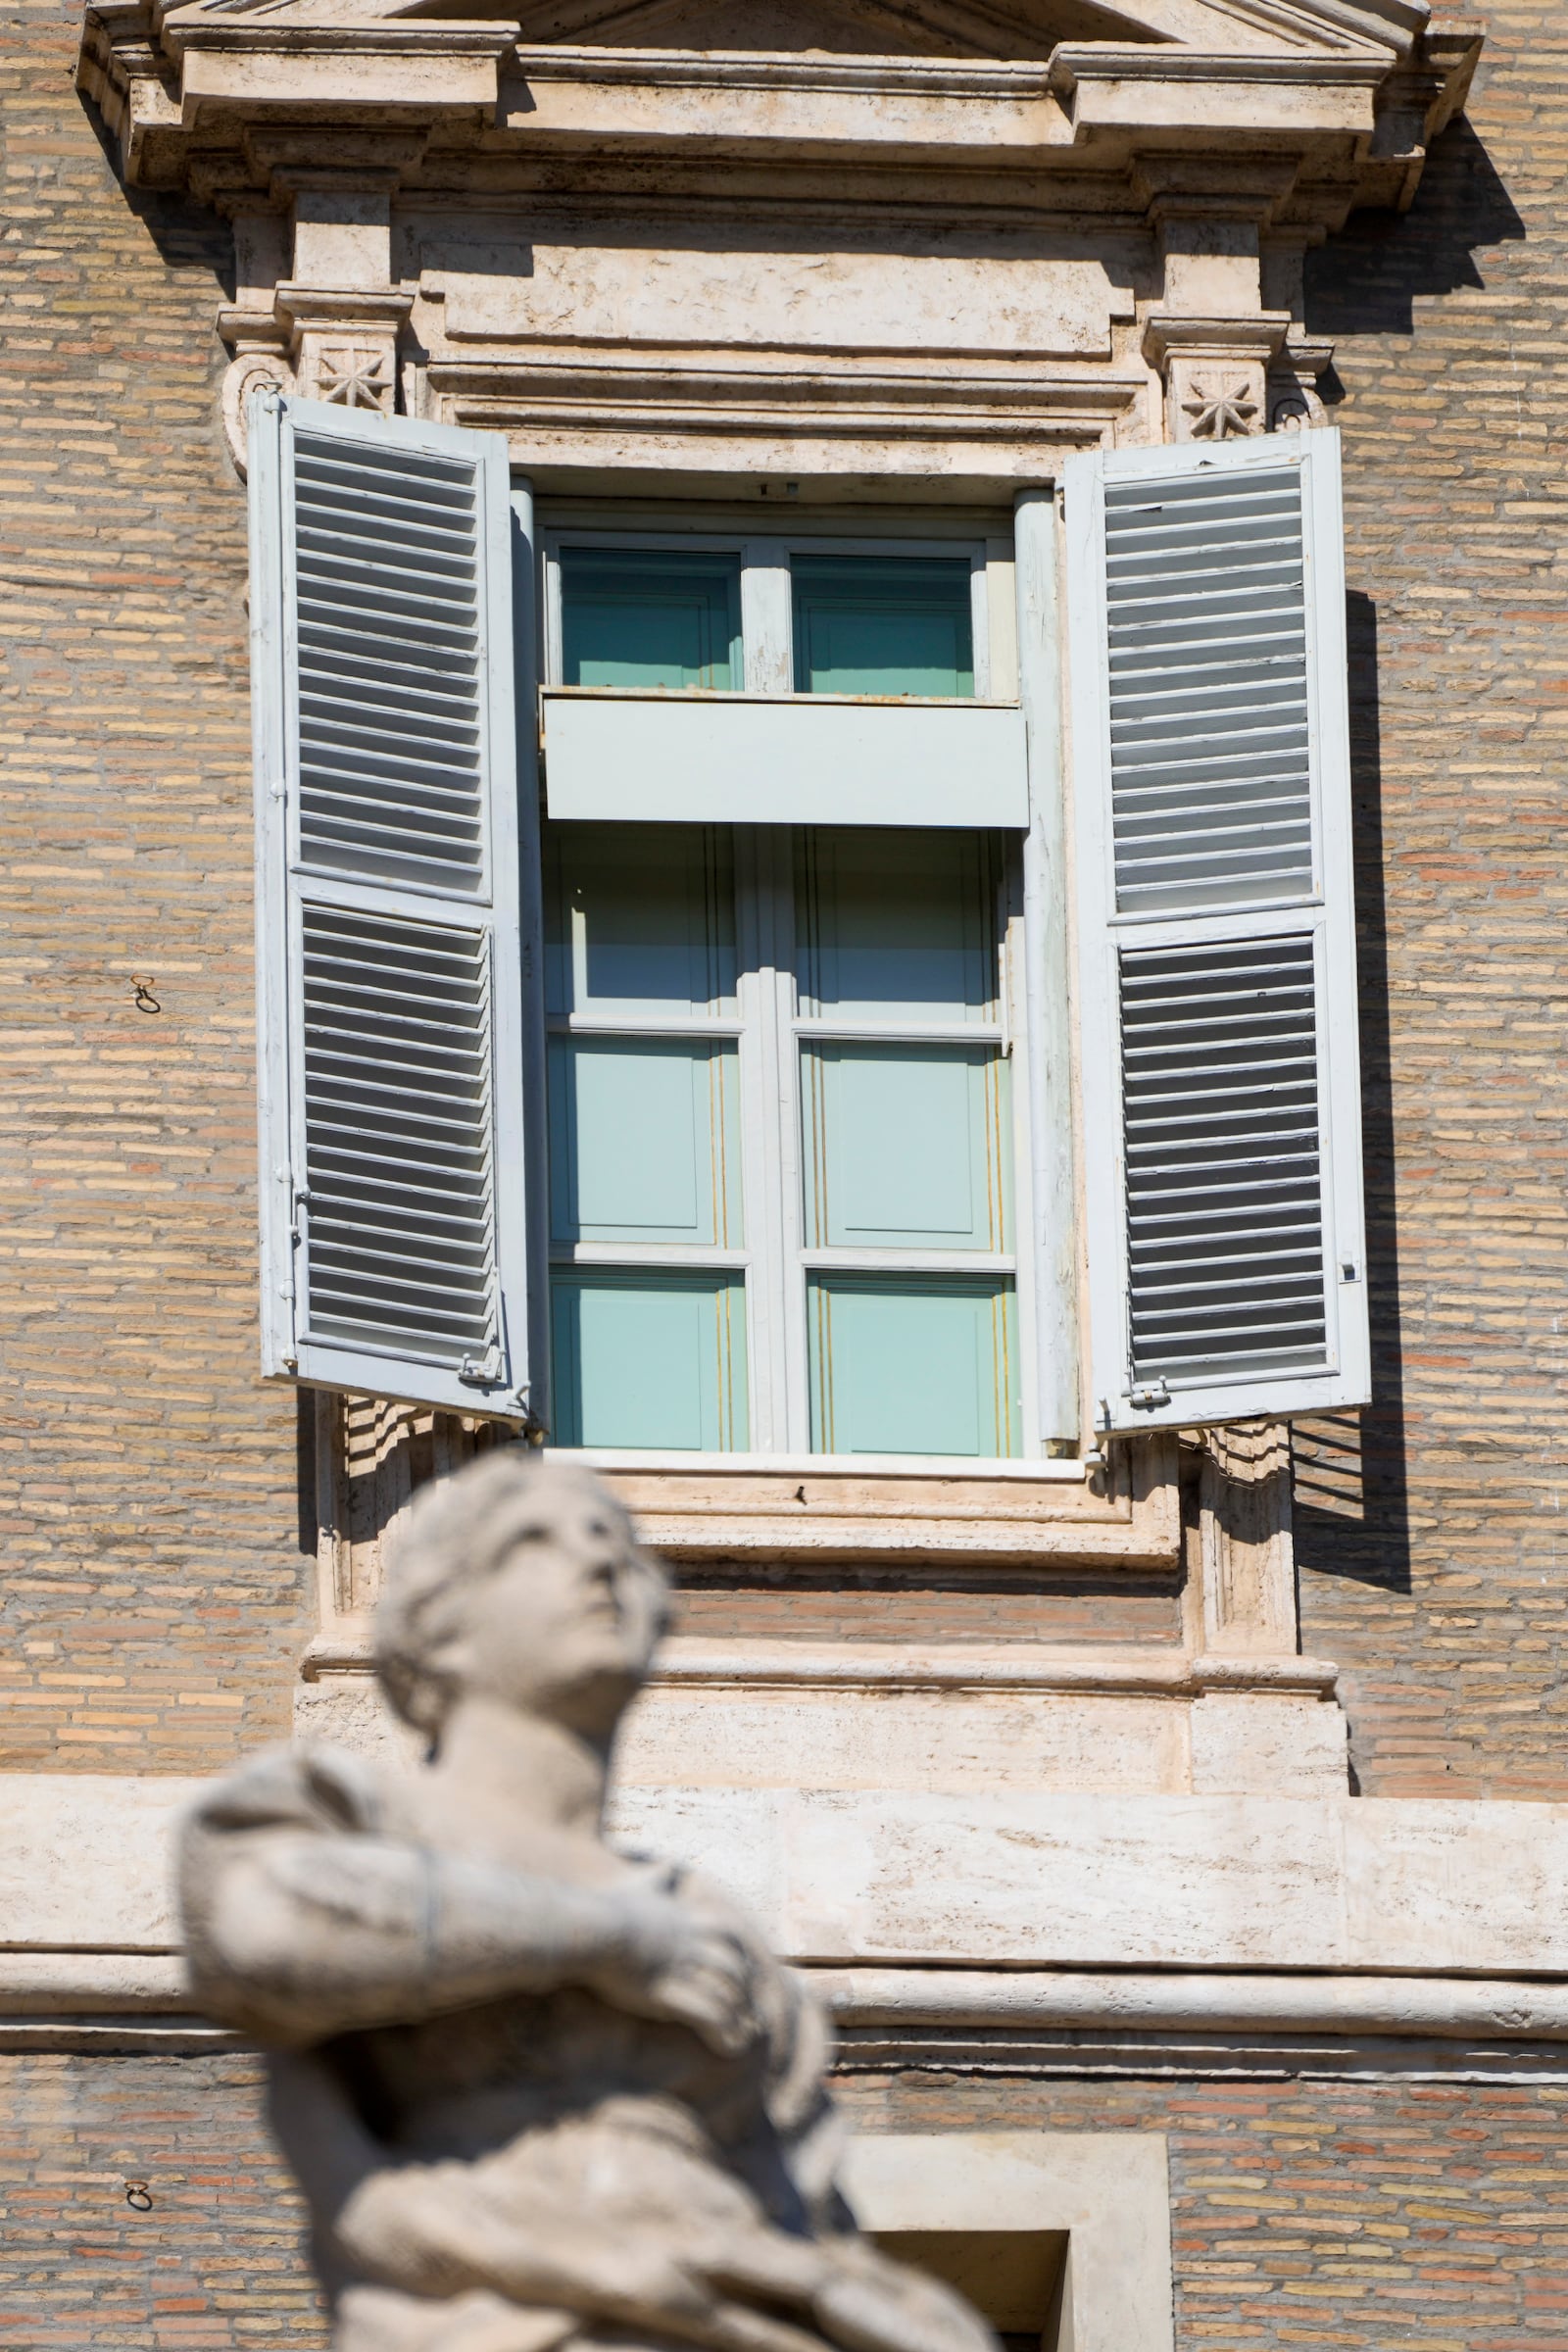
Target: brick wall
(1385,2216)
(153,1592)
(216,2262)
(1432,1562)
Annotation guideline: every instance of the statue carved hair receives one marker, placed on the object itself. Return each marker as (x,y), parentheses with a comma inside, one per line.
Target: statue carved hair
(459,1531)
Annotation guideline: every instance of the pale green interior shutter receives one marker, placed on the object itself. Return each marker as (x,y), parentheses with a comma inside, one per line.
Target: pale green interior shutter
(1216,938)
(393,1026)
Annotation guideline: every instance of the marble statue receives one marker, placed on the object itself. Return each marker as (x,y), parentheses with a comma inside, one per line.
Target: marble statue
(537,2093)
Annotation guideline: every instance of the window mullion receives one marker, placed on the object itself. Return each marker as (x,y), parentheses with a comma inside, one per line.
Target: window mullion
(770,1130)
(754,996)
(765,617)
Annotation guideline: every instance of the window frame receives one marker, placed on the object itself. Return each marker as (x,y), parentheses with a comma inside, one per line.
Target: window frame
(774,1258)
(767,618)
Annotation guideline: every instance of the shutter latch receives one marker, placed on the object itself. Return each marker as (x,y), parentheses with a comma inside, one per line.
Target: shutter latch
(1147,1393)
(482,1371)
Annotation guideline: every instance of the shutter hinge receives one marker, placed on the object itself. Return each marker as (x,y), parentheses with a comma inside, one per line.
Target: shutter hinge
(1146,1394)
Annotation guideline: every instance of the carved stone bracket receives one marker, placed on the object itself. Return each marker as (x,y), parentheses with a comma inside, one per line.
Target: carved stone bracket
(1248,1565)
(1216,371)
(1294,402)
(261,361)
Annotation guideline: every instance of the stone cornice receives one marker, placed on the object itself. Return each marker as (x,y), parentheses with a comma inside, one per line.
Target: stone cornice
(781,69)
(187,90)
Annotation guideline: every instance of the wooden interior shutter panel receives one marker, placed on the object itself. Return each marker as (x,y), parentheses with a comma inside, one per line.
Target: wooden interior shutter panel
(391,984)
(1216,974)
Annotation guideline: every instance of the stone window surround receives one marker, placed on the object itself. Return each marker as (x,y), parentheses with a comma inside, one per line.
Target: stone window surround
(1103,2196)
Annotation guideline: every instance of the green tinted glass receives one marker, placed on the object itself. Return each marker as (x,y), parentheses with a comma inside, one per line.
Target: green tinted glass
(644,1142)
(640,617)
(912,1365)
(648,1360)
(907,1147)
(638,918)
(891,922)
(883,624)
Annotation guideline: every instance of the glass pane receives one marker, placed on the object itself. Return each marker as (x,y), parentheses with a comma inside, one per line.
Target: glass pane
(883,624)
(645,616)
(907,1147)
(639,918)
(904,1364)
(644,1142)
(656,1360)
(892,922)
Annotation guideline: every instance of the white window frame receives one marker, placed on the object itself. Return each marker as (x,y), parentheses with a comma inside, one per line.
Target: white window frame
(769,1028)
(767,610)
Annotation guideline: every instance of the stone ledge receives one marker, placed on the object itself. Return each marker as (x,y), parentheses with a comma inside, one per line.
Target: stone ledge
(1012,1881)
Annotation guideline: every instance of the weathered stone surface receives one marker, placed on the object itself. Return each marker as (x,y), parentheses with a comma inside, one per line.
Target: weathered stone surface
(537,2093)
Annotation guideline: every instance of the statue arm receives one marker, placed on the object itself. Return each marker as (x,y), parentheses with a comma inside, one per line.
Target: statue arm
(295,1935)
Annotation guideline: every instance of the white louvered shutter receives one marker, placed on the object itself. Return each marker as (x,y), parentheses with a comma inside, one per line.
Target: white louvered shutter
(392,1017)
(1216,969)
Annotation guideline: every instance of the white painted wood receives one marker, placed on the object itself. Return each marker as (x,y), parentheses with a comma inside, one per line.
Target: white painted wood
(1052,1244)
(808,759)
(526,1136)
(1001,632)
(768,617)
(1316,913)
(771,1141)
(274,1187)
(349,860)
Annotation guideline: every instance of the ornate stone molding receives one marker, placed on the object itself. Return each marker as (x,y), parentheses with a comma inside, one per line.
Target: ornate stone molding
(259,362)
(1295,401)
(1248,1565)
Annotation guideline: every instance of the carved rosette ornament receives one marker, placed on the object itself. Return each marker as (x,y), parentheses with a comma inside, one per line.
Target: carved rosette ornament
(1216,373)
(344,344)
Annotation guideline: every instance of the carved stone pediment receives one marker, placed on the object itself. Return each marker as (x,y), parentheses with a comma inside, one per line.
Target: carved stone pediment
(828,27)
(889,28)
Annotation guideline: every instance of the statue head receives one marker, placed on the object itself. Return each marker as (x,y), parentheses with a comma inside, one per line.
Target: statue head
(518,1579)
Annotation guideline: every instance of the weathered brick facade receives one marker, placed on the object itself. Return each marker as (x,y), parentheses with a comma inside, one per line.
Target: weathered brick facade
(154,1593)
(1439,1592)
(1361,2215)
(214,2261)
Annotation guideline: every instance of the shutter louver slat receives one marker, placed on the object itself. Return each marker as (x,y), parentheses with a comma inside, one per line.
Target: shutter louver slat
(393,986)
(1196,1116)
(367,556)
(1178,568)
(1216,933)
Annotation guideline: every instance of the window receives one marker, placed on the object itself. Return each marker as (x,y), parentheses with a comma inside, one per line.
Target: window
(726,1115)
(781,1096)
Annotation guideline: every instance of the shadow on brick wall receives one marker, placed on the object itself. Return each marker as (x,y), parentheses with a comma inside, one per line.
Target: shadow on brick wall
(1365,280)
(1352,1510)
(187,235)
